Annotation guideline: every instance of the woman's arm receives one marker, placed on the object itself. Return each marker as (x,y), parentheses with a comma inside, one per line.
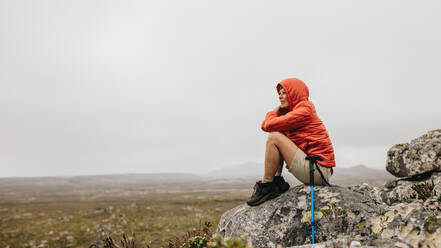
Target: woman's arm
(298,117)
(270,115)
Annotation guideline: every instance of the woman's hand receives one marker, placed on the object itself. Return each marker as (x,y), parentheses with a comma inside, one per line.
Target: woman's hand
(282,111)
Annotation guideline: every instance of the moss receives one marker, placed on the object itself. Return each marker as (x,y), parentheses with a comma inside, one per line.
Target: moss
(328,210)
(275,227)
(325,211)
(399,145)
(430,225)
(421,191)
(361,225)
(306,217)
(424,190)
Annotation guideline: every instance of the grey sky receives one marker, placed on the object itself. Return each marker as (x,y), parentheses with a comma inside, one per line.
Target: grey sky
(99,87)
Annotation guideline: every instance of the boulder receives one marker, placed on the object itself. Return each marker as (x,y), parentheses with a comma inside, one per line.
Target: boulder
(344,216)
(350,243)
(398,191)
(286,220)
(421,155)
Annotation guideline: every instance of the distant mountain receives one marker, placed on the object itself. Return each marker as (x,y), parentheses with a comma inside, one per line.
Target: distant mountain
(360,173)
(342,176)
(231,176)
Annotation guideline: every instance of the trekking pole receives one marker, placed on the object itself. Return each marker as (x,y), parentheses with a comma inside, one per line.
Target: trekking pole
(311,182)
(313,160)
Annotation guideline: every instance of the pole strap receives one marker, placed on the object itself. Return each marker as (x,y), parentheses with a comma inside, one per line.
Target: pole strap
(313,161)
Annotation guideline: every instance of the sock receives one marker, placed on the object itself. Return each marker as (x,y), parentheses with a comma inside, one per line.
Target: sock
(267,179)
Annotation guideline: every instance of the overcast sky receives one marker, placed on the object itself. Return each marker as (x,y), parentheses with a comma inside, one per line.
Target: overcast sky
(103,87)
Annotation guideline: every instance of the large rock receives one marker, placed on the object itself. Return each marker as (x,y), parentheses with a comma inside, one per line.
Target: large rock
(420,155)
(351,243)
(286,220)
(343,216)
(398,191)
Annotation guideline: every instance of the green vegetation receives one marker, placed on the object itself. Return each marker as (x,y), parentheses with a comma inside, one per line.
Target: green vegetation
(194,238)
(429,226)
(421,191)
(196,242)
(335,215)
(158,218)
(216,241)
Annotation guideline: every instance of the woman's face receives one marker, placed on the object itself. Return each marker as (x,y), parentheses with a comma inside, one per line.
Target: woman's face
(282,98)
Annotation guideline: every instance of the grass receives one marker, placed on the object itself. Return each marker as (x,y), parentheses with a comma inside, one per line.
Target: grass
(79,221)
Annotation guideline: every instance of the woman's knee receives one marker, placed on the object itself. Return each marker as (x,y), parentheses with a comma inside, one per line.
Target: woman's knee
(273,138)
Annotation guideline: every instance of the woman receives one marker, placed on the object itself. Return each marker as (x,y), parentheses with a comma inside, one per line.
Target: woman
(295,132)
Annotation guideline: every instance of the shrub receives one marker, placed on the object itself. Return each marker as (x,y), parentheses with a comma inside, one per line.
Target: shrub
(193,237)
(196,242)
(218,242)
(199,238)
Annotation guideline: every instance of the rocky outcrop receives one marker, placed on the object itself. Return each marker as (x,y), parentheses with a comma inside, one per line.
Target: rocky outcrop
(420,155)
(286,220)
(342,215)
(402,213)
(397,191)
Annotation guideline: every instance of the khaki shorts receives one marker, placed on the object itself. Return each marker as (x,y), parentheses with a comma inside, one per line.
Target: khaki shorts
(300,169)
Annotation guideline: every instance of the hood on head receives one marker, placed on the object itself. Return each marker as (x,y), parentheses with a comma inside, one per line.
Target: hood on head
(296,91)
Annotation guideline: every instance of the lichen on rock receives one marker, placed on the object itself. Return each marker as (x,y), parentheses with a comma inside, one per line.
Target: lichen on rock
(421,155)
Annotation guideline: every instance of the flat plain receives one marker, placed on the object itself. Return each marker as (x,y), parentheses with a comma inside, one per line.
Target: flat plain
(48,213)
(83,210)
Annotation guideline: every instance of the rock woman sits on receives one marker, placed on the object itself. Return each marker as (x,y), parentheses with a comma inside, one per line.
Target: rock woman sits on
(295,132)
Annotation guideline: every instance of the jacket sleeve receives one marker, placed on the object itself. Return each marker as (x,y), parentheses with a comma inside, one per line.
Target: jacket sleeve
(269,116)
(298,117)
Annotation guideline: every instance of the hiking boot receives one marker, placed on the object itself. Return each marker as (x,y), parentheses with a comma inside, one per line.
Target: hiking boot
(262,193)
(282,185)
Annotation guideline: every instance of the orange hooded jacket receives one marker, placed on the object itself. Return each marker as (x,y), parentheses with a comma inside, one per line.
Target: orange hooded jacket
(301,124)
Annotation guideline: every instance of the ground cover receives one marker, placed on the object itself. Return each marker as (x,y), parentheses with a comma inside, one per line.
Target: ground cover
(79,220)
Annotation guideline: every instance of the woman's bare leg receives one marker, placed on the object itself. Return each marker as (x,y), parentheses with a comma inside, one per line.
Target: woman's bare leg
(280,167)
(279,148)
